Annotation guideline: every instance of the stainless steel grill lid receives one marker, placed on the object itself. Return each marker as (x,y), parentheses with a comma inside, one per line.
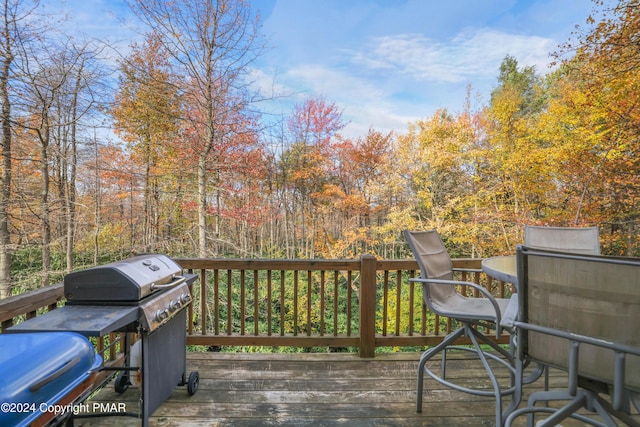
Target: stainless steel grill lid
(128,280)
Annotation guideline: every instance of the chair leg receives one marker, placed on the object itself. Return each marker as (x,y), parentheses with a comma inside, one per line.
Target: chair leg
(475,337)
(516,397)
(494,381)
(449,339)
(582,399)
(443,363)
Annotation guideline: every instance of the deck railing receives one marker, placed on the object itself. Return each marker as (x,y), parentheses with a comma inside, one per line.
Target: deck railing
(364,304)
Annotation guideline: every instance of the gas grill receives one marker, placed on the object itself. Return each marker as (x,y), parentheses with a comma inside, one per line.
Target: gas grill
(152,282)
(146,294)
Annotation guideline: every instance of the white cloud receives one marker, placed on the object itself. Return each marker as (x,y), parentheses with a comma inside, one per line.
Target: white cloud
(470,55)
(342,85)
(389,80)
(390,68)
(364,103)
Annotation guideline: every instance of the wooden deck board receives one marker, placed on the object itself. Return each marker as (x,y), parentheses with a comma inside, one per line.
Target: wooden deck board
(324,389)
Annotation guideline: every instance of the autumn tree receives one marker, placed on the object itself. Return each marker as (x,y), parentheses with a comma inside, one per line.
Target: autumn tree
(147,112)
(514,160)
(601,99)
(439,161)
(50,66)
(307,169)
(362,201)
(212,44)
(234,172)
(14,27)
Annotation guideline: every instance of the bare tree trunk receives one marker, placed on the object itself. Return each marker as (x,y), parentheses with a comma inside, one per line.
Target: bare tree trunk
(45,209)
(5,186)
(98,205)
(146,221)
(151,201)
(70,193)
(202,206)
(155,214)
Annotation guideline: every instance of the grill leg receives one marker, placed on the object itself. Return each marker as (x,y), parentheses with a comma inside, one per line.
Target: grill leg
(144,392)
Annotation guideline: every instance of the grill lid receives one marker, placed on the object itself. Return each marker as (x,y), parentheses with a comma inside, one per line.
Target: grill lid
(129,280)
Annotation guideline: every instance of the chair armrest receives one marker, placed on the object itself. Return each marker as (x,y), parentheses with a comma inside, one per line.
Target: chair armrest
(468,270)
(479,288)
(511,313)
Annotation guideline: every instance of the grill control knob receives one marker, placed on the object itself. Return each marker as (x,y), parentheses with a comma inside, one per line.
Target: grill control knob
(161,315)
(185,298)
(174,305)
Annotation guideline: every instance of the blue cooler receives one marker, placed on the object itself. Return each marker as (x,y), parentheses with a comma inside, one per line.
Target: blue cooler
(41,373)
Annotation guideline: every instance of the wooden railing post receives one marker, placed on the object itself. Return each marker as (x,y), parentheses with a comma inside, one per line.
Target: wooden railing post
(367,316)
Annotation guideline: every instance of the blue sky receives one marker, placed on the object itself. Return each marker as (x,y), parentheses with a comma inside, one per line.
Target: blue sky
(384,63)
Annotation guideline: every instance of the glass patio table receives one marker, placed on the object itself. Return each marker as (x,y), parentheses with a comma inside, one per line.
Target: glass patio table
(502,268)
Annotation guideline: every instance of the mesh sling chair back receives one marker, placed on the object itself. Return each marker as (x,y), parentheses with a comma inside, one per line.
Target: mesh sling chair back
(442,297)
(579,240)
(579,313)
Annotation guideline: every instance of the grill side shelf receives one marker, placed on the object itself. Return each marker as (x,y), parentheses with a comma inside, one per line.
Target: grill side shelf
(90,321)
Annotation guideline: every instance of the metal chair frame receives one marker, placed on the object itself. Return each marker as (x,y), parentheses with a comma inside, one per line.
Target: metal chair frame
(585,383)
(469,318)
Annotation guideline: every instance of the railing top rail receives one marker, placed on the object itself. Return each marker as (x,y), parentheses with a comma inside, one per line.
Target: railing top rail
(20,304)
(269,264)
(303,264)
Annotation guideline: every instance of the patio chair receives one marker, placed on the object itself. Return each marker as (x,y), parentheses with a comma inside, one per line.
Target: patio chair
(580,240)
(441,296)
(577,313)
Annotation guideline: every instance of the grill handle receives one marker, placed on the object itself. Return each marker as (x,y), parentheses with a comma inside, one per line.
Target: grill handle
(177,281)
(64,368)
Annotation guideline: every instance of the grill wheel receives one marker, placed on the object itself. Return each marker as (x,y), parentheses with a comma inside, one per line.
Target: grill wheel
(193,383)
(122,383)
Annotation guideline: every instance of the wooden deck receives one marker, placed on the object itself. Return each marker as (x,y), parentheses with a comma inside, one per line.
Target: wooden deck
(324,389)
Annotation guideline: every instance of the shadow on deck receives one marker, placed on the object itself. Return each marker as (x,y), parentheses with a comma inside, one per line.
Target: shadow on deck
(324,389)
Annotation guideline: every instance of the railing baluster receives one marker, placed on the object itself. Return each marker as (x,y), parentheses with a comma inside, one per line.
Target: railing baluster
(269,305)
(256,304)
(204,301)
(349,291)
(309,290)
(411,302)
(295,303)
(229,303)
(216,301)
(398,306)
(322,297)
(335,303)
(385,302)
(243,303)
(283,307)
